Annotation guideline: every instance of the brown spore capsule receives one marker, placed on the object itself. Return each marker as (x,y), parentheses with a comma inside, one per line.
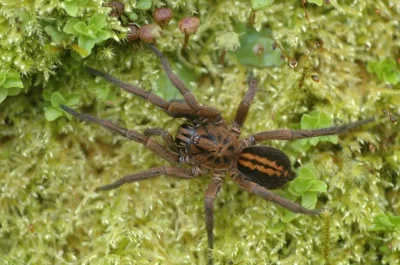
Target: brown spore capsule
(133,34)
(117,8)
(162,16)
(187,26)
(149,33)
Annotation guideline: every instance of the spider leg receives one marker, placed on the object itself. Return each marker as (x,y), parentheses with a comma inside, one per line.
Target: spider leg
(190,99)
(244,107)
(169,140)
(286,134)
(130,134)
(269,196)
(209,198)
(149,174)
(172,108)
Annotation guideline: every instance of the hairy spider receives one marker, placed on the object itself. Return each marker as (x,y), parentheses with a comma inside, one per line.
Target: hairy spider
(208,144)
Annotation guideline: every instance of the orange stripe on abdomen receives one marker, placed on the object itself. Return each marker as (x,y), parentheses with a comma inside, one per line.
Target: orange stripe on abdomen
(262,160)
(261,168)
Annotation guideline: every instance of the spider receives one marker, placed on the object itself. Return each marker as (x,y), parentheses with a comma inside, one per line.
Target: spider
(206,144)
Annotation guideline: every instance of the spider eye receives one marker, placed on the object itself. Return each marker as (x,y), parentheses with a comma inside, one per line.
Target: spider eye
(267,166)
(231,148)
(196,139)
(226,141)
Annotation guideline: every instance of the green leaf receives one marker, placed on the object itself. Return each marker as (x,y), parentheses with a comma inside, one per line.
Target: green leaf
(333,139)
(3,93)
(299,146)
(391,77)
(13,80)
(386,70)
(299,185)
(317,120)
(372,67)
(317,2)
(102,92)
(56,36)
(313,141)
(91,32)
(383,220)
(143,4)
(80,28)
(13,91)
(256,48)
(258,5)
(98,20)
(308,121)
(318,186)
(57,99)
(309,199)
(277,228)
(308,171)
(306,181)
(72,99)
(167,90)
(69,26)
(112,96)
(46,94)
(86,43)
(71,7)
(133,16)
(52,113)
(102,35)
(3,77)
(324,120)
(395,220)
(288,216)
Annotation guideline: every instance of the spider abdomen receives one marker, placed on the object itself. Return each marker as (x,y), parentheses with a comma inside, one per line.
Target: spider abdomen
(266,166)
(210,146)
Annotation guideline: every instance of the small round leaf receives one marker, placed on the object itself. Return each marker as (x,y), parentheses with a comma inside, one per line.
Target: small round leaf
(143,4)
(309,199)
(3,93)
(57,99)
(69,26)
(52,113)
(258,5)
(98,20)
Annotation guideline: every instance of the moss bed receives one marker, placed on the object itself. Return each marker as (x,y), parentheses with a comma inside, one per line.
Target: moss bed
(49,212)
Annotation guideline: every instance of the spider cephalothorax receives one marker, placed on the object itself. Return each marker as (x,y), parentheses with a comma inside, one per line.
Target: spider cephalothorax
(207,144)
(213,147)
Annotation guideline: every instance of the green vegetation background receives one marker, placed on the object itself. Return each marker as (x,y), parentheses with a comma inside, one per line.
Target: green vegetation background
(49,213)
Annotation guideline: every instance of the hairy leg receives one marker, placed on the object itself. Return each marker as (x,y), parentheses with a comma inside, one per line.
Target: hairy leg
(169,140)
(172,108)
(130,134)
(190,99)
(149,174)
(269,196)
(209,198)
(244,107)
(287,134)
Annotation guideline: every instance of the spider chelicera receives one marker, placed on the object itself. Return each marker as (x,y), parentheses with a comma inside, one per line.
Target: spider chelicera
(208,145)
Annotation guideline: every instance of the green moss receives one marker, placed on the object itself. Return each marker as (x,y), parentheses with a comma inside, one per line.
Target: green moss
(49,213)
